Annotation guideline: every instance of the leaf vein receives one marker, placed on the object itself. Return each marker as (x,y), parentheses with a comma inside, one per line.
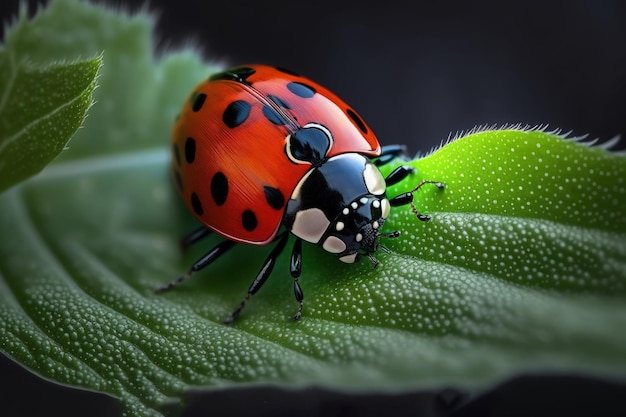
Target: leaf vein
(102,164)
(11,139)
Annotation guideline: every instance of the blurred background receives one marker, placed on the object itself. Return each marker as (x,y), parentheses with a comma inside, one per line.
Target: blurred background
(416,71)
(419,71)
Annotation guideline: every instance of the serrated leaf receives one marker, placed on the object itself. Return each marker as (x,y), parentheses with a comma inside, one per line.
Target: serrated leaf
(40,109)
(522,266)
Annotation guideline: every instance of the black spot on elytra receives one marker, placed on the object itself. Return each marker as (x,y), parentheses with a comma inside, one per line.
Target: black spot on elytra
(190,150)
(219,188)
(274,197)
(273,116)
(236,113)
(301,89)
(309,144)
(179,180)
(248,220)
(239,74)
(197,101)
(357,120)
(279,101)
(287,71)
(196,204)
(176,154)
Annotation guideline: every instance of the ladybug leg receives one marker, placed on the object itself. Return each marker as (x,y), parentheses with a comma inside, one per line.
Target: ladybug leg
(388,153)
(201,263)
(261,277)
(195,235)
(399,174)
(296,269)
(407,198)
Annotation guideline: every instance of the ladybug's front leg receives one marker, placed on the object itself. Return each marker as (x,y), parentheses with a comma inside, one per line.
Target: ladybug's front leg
(389,153)
(296,269)
(398,175)
(261,277)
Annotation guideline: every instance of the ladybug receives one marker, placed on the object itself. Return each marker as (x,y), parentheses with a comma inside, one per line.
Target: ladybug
(257,148)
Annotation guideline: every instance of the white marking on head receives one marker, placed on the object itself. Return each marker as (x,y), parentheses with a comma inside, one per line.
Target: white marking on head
(339,226)
(358,237)
(296,191)
(310,225)
(349,259)
(374,180)
(386,208)
(334,245)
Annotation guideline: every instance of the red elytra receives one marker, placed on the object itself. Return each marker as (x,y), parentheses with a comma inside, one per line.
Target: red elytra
(231,165)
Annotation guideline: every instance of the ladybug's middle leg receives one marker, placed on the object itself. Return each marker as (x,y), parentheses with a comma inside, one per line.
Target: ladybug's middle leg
(201,263)
(262,276)
(296,269)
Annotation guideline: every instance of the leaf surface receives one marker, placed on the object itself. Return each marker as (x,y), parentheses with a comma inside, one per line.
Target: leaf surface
(41,107)
(522,267)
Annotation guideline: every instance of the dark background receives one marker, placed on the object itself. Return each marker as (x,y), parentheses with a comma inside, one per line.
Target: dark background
(417,72)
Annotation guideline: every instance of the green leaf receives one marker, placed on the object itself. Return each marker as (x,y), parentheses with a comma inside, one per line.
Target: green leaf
(542,211)
(522,267)
(41,106)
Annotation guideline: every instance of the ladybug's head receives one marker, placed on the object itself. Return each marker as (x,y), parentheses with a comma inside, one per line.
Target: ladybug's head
(340,206)
(357,228)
